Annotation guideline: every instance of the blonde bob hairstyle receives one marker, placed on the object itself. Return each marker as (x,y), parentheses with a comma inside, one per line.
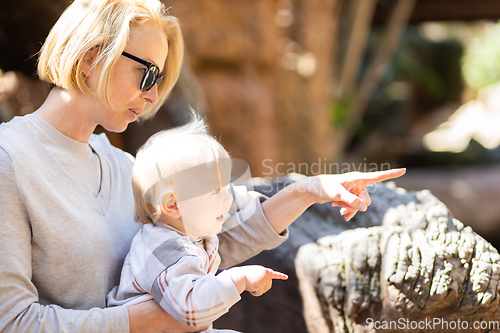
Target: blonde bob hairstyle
(166,153)
(105,25)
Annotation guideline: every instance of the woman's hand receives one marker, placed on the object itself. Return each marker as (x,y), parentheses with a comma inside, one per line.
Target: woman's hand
(346,190)
(149,317)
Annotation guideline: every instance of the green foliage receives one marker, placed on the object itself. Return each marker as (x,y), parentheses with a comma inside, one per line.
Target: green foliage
(338,111)
(432,68)
(481,61)
(413,70)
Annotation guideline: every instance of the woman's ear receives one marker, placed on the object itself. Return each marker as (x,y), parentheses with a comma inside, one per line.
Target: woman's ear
(88,61)
(169,206)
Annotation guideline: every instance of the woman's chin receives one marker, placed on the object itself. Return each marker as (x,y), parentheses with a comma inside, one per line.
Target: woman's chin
(115,128)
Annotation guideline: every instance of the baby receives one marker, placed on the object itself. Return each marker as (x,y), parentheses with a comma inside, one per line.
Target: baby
(182,190)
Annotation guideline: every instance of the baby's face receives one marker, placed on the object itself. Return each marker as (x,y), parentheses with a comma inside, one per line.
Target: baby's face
(202,196)
(204,215)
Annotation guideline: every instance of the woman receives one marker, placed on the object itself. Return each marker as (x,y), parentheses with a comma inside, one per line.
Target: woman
(66,203)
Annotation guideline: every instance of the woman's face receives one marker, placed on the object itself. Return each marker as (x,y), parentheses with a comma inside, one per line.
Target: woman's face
(148,43)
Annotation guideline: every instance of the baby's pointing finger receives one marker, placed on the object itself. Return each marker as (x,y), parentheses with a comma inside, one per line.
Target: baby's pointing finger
(277,275)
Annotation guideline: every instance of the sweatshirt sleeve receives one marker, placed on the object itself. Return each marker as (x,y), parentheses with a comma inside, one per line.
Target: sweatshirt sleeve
(19,307)
(250,233)
(192,296)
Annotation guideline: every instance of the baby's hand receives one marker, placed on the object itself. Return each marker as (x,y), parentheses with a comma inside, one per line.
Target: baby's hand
(260,279)
(256,279)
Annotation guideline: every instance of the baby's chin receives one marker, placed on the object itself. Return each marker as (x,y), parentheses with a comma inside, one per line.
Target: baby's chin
(205,235)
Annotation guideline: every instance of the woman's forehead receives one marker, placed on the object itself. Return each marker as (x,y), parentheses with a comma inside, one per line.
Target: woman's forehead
(149,42)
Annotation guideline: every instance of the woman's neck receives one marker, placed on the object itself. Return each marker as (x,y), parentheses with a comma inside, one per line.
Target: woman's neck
(69,112)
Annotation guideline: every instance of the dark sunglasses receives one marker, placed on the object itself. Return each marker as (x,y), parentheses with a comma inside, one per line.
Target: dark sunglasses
(152,74)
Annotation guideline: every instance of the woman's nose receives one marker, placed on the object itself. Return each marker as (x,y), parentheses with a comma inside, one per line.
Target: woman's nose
(151,96)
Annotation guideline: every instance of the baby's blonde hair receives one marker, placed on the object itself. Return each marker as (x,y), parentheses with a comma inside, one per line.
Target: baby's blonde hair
(164,154)
(105,25)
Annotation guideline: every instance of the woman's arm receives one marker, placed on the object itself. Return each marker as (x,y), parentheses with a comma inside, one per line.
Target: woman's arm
(149,317)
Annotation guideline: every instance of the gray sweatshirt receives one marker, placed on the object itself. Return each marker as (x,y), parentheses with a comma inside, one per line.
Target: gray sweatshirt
(66,224)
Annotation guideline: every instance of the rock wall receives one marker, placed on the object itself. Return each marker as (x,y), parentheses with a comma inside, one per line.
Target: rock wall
(24,25)
(19,95)
(265,69)
(419,265)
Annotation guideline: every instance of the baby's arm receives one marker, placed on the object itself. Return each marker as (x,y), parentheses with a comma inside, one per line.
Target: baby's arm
(192,296)
(252,195)
(251,232)
(195,298)
(255,279)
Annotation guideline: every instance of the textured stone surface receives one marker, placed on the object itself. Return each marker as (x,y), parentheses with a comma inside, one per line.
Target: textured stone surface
(420,263)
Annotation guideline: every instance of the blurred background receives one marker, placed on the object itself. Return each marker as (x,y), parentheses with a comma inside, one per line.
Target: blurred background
(313,86)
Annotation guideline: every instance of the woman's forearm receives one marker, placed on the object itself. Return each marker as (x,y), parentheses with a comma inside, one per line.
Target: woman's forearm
(287,205)
(149,317)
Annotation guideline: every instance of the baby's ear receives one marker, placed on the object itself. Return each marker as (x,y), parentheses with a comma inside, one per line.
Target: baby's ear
(169,206)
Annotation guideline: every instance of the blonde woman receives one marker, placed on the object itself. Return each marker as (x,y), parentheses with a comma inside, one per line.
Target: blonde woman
(66,202)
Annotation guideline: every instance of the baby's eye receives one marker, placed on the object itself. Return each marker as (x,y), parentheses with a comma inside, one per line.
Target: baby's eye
(216,191)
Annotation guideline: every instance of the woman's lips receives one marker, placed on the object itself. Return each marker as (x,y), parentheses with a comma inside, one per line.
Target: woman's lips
(135,113)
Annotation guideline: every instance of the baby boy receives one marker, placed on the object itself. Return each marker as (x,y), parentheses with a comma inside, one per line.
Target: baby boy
(182,190)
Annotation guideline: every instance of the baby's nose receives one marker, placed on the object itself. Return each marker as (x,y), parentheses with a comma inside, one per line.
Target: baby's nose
(228,199)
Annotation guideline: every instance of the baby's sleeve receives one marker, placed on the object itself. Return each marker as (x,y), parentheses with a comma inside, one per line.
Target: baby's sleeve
(192,296)
(247,232)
